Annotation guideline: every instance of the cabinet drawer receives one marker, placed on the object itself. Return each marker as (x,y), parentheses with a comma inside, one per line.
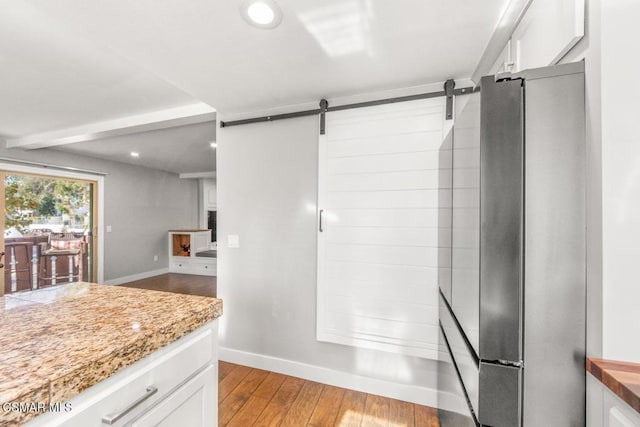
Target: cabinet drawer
(208,269)
(189,405)
(164,369)
(180,265)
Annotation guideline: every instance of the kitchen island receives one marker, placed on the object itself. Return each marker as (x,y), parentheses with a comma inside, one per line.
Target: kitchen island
(92,355)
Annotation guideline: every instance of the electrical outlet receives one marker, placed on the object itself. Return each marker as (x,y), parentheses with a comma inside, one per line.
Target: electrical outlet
(109,229)
(155,258)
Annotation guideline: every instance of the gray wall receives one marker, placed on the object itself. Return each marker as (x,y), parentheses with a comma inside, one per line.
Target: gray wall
(141,205)
(267,190)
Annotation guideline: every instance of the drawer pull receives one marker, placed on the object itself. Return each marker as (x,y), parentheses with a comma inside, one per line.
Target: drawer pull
(113,418)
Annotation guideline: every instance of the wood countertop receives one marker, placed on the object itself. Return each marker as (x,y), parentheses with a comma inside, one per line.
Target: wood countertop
(622,378)
(56,342)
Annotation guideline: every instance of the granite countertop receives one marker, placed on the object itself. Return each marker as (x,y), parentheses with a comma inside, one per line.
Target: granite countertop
(622,378)
(56,342)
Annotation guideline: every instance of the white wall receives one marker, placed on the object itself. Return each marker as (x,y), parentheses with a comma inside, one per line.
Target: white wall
(267,190)
(613,156)
(141,205)
(620,179)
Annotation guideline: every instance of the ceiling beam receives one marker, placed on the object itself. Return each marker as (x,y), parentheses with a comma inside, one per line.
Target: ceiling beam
(163,119)
(510,19)
(197,175)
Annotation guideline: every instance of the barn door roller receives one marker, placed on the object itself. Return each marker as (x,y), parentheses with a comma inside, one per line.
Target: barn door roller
(449,87)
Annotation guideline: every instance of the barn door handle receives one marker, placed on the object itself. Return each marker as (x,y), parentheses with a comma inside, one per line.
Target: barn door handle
(320,224)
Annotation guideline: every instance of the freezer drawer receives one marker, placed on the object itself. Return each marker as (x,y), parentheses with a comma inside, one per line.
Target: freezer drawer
(500,403)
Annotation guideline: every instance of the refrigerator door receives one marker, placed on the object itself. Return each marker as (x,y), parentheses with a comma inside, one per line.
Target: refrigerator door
(500,403)
(501,207)
(465,235)
(555,248)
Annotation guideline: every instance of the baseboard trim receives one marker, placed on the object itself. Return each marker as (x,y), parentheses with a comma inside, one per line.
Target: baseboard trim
(134,277)
(406,392)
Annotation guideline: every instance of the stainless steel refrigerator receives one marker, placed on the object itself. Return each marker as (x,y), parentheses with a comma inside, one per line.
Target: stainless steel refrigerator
(513,311)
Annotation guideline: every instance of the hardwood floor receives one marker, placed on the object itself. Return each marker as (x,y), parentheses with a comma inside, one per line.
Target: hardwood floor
(253,397)
(205,286)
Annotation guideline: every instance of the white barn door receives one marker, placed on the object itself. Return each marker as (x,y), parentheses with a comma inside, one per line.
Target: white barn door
(384,226)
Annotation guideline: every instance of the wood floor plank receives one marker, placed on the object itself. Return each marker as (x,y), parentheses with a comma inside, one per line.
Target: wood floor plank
(231,381)
(280,404)
(327,407)
(401,413)
(228,408)
(351,409)
(249,413)
(270,385)
(190,284)
(303,406)
(224,368)
(253,397)
(426,416)
(376,412)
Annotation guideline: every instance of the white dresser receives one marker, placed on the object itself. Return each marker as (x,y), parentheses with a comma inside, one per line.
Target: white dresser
(190,253)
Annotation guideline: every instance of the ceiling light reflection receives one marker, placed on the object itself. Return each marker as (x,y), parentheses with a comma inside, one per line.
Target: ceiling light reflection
(341,29)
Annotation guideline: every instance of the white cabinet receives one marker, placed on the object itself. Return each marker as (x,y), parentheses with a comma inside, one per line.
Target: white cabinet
(193,404)
(617,413)
(605,409)
(177,382)
(209,194)
(189,252)
(548,30)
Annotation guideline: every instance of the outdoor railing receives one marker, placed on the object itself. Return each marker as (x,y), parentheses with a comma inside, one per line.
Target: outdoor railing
(36,261)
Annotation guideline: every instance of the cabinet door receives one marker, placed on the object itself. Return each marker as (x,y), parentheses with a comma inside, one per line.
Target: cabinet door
(193,404)
(618,413)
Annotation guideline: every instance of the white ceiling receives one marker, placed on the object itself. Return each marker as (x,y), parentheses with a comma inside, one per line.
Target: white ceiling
(67,63)
(53,77)
(325,48)
(183,149)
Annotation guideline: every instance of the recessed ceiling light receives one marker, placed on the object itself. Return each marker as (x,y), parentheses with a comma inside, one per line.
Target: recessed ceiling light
(261,13)
(214,145)
(135,154)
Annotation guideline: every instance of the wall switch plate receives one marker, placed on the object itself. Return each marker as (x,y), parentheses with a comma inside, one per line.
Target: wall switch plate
(155,258)
(233,241)
(109,229)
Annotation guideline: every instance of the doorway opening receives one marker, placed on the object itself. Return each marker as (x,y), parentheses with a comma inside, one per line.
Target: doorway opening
(49,230)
